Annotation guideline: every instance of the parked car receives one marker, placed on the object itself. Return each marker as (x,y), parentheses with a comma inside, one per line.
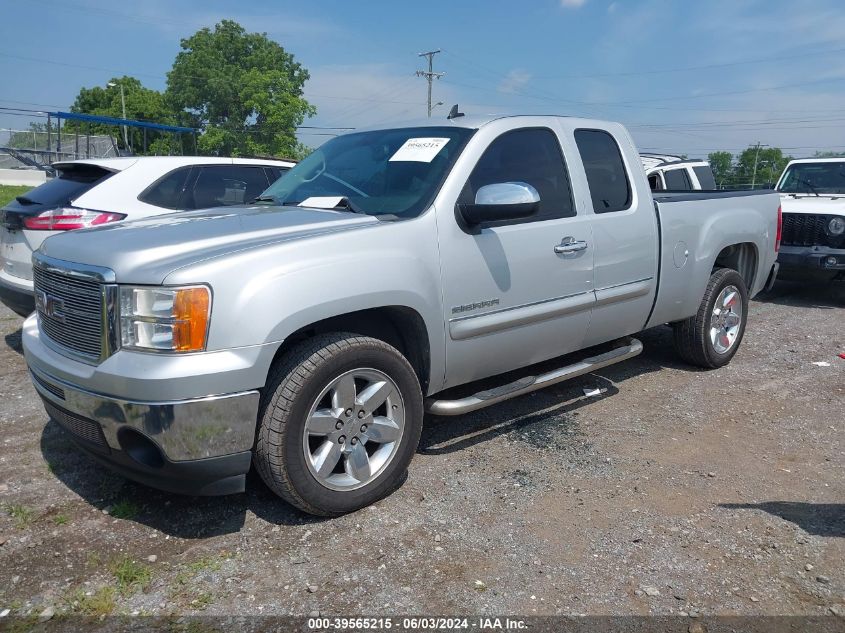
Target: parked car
(673,173)
(308,333)
(812,194)
(88,193)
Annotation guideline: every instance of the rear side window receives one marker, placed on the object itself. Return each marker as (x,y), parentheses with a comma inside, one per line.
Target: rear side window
(71,183)
(226,185)
(705,176)
(167,191)
(654,182)
(606,176)
(677,179)
(532,156)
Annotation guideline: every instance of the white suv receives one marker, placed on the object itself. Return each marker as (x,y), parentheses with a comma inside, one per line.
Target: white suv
(88,193)
(673,173)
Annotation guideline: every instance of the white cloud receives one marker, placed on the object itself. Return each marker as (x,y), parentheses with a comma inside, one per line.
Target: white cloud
(513,81)
(572,4)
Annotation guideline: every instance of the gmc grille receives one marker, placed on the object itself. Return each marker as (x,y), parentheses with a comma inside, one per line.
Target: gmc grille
(70,311)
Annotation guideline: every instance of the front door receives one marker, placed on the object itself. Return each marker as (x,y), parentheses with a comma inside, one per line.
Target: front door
(516,292)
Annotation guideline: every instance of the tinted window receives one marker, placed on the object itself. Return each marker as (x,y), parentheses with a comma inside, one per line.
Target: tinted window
(166,192)
(654,182)
(226,185)
(705,176)
(677,180)
(531,156)
(71,183)
(609,187)
(814,178)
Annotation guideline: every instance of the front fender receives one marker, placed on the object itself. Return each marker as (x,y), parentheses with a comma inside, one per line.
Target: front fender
(263,295)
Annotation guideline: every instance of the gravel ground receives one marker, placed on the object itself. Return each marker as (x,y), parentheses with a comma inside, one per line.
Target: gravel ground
(676,491)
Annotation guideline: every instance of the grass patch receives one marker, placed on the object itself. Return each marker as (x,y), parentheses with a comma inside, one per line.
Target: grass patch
(209,563)
(124,510)
(93,559)
(130,575)
(202,601)
(22,515)
(60,519)
(100,602)
(9,192)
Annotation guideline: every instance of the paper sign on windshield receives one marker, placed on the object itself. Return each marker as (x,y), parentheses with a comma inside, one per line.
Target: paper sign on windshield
(321,202)
(421,150)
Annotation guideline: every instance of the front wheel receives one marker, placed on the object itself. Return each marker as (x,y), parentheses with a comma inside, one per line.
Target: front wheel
(340,420)
(712,336)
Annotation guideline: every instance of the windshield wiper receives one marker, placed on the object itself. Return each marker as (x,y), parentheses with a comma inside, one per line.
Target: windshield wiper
(345,203)
(811,187)
(267,198)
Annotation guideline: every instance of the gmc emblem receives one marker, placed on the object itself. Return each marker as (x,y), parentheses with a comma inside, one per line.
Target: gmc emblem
(50,306)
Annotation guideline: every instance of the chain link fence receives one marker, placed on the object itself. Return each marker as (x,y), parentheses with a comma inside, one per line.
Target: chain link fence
(19,149)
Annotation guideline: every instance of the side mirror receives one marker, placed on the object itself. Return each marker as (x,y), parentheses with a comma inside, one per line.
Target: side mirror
(501,201)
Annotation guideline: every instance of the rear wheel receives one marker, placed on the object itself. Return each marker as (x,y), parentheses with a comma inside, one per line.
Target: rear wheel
(711,337)
(339,423)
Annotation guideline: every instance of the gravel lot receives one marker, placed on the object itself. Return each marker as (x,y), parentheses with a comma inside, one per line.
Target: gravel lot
(676,491)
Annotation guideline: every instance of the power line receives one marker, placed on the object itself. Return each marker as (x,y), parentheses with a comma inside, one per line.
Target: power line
(429,75)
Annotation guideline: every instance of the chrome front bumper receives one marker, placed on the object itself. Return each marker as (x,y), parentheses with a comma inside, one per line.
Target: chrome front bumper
(182,429)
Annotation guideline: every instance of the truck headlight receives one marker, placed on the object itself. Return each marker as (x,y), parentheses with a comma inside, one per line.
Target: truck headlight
(164,319)
(836,226)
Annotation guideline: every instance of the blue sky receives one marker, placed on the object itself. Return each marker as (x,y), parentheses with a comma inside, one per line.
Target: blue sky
(688,77)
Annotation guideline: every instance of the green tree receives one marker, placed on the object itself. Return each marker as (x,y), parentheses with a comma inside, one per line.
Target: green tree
(142,104)
(770,163)
(243,89)
(828,154)
(722,165)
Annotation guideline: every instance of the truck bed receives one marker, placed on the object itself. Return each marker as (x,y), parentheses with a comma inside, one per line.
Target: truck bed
(696,228)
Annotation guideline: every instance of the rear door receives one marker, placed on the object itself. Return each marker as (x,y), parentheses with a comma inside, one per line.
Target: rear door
(624,235)
(510,299)
(225,185)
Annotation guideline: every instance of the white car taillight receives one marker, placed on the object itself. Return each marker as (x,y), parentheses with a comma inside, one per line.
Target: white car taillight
(68,218)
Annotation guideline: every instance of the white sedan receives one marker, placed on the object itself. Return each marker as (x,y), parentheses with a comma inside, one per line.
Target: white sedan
(87,193)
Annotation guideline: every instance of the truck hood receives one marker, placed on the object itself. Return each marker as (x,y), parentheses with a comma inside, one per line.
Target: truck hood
(146,251)
(806,204)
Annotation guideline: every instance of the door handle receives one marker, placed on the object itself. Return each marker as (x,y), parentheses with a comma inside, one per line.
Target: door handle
(570,245)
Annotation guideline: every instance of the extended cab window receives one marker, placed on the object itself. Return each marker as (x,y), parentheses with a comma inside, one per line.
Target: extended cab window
(226,185)
(532,156)
(606,176)
(677,179)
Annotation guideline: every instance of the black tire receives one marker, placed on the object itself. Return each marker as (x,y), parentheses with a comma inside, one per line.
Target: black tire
(692,336)
(293,385)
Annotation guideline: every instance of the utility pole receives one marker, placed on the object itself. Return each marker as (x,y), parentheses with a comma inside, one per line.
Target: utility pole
(112,84)
(756,156)
(430,75)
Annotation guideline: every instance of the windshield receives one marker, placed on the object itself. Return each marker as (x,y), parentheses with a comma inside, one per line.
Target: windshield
(814,178)
(395,172)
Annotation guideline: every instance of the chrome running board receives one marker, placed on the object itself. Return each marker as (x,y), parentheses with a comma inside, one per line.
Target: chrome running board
(532,383)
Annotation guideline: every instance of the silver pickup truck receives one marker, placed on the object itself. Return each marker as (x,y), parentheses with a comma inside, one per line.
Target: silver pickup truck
(306,334)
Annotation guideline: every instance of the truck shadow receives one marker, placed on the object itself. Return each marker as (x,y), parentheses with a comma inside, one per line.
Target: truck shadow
(174,515)
(821,295)
(554,405)
(818,519)
(203,517)
(13,341)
